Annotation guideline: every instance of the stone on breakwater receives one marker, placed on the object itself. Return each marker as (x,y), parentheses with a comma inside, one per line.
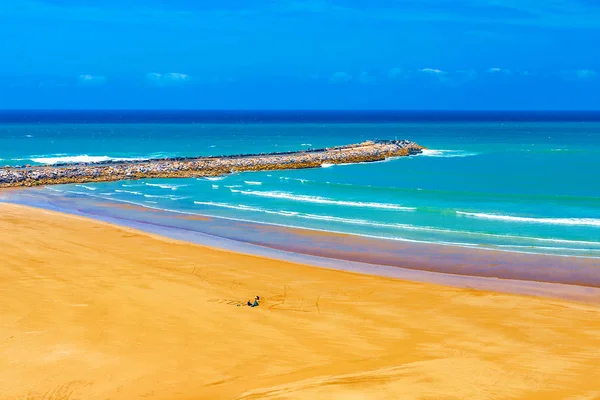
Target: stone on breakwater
(368,151)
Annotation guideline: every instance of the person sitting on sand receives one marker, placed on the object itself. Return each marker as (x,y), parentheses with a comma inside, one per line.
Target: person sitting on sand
(255,304)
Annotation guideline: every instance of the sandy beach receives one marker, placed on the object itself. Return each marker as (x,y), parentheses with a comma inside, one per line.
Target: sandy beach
(95,311)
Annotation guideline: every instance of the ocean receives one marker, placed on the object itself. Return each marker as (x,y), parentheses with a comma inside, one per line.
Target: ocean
(516,182)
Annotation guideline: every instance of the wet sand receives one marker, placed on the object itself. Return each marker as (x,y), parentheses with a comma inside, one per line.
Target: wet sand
(95,311)
(568,278)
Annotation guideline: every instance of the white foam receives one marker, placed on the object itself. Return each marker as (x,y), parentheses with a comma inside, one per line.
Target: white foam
(550,221)
(253,183)
(214,178)
(74,192)
(323,200)
(129,192)
(231,206)
(84,158)
(446,153)
(306,144)
(394,238)
(327,165)
(86,187)
(215,186)
(165,185)
(363,222)
(444,231)
(285,178)
(297,214)
(165,196)
(330,231)
(288,213)
(243,207)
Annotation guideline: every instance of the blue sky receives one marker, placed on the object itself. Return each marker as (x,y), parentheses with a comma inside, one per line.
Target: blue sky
(292,54)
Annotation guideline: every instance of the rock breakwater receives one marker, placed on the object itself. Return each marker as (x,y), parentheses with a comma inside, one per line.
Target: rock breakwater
(368,151)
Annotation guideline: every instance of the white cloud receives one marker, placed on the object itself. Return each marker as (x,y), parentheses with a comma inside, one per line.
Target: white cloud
(366,78)
(394,73)
(585,73)
(176,76)
(340,77)
(438,74)
(167,78)
(153,76)
(433,71)
(499,71)
(91,79)
(577,75)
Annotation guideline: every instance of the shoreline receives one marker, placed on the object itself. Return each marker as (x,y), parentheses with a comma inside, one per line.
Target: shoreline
(529,274)
(98,311)
(368,151)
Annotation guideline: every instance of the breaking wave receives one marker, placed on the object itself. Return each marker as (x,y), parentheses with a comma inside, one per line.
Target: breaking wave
(84,158)
(323,200)
(550,221)
(165,185)
(86,187)
(446,153)
(129,192)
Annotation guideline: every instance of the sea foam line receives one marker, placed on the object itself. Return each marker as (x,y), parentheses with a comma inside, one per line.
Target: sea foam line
(323,200)
(166,196)
(231,206)
(467,245)
(165,185)
(446,153)
(86,187)
(363,222)
(550,221)
(129,192)
(84,158)
(285,178)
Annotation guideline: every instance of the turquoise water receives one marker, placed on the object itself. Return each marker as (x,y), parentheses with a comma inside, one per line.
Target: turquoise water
(513,186)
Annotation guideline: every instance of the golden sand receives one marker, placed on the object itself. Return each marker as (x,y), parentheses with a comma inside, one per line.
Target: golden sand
(94,311)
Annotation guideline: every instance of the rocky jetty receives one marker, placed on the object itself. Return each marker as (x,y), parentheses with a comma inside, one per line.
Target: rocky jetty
(368,151)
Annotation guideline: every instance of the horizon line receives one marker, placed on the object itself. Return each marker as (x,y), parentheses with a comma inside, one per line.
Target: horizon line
(390,110)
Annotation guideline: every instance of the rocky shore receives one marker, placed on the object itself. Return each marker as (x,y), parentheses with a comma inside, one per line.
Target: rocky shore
(368,151)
